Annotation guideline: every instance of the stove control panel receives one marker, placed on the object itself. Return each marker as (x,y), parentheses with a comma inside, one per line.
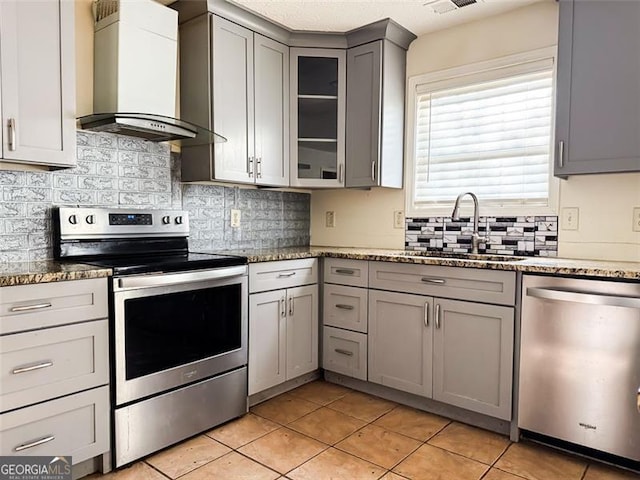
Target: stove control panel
(115,223)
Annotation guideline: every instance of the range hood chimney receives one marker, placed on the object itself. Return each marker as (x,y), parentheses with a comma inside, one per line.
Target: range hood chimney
(135,64)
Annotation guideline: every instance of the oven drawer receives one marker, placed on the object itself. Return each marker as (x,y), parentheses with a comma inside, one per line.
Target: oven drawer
(346,272)
(77,425)
(345,307)
(471,284)
(282,274)
(28,307)
(345,352)
(52,362)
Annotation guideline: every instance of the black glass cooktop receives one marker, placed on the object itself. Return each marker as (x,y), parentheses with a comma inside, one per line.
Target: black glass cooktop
(131,265)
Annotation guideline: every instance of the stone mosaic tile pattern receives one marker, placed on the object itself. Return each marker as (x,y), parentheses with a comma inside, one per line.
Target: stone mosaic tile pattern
(520,236)
(127,172)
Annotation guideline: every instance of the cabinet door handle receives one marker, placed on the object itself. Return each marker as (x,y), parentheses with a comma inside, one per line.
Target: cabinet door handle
(286,275)
(345,271)
(250,166)
(259,167)
(373,171)
(437,315)
(638,399)
(26,308)
(283,307)
(31,368)
(291,306)
(426,314)
(343,306)
(11,126)
(561,154)
(343,352)
(35,443)
(436,281)
(340,173)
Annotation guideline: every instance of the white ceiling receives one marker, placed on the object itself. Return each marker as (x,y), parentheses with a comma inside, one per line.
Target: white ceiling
(344,15)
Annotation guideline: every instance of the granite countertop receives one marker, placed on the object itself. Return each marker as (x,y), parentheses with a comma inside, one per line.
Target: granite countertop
(545,265)
(52,271)
(49,271)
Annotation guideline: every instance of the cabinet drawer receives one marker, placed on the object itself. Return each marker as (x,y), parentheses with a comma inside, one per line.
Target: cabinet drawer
(52,362)
(77,425)
(27,307)
(345,307)
(282,274)
(345,352)
(487,286)
(346,272)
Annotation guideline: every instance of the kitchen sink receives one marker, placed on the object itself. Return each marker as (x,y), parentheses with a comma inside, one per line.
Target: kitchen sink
(485,257)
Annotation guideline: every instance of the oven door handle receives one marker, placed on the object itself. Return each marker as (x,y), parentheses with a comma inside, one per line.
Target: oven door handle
(144,281)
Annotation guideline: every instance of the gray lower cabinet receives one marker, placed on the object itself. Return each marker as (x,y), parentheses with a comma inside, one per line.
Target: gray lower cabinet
(55,377)
(235,82)
(400,342)
(283,336)
(375,115)
(456,352)
(598,87)
(473,356)
(37,82)
(283,322)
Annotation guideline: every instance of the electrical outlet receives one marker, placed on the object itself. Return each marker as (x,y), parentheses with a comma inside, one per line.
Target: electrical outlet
(636,219)
(398,219)
(330,219)
(570,218)
(235,218)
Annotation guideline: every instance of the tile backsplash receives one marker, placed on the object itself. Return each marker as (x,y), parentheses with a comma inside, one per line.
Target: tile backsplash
(125,172)
(526,236)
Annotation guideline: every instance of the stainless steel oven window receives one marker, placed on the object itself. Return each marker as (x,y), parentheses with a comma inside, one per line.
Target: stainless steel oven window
(175,331)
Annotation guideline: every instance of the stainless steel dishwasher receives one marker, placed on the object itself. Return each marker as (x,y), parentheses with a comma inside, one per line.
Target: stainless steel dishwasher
(580,362)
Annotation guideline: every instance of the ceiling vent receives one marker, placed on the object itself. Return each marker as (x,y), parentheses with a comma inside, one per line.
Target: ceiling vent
(445,6)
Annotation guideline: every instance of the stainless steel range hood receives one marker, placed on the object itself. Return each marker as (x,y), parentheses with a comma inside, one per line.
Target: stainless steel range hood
(155,128)
(135,74)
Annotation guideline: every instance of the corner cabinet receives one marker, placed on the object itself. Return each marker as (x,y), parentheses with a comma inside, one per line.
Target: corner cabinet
(318,90)
(235,82)
(37,82)
(375,115)
(598,88)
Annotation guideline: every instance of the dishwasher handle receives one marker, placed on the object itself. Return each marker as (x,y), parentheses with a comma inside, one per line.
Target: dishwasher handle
(577,296)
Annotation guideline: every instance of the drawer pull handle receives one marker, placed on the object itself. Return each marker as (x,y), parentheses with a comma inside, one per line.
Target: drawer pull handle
(286,275)
(343,352)
(26,308)
(343,306)
(31,368)
(35,443)
(345,271)
(436,281)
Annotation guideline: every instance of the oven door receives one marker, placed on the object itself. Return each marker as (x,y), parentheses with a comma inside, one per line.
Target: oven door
(177,328)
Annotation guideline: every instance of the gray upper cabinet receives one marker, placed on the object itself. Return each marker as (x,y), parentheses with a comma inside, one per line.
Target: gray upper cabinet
(235,82)
(375,115)
(318,89)
(37,82)
(598,88)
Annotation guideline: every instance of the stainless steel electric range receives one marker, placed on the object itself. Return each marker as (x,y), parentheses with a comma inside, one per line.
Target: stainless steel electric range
(178,324)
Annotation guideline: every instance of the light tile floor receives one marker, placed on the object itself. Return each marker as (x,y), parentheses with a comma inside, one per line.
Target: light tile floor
(325,431)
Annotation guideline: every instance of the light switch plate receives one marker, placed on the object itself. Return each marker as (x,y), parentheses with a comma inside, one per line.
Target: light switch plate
(235,218)
(398,219)
(636,219)
(330,219)
(570,218)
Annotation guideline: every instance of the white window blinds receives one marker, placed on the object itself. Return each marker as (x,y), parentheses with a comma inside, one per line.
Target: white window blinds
(488,135)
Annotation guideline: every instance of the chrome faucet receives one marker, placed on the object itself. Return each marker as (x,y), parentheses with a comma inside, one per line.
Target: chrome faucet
(475,236)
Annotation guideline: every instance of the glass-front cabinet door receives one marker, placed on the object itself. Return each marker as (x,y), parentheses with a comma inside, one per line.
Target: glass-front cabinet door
(318,87)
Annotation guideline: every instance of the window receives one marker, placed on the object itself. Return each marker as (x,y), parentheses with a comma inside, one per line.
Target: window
(485,128)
